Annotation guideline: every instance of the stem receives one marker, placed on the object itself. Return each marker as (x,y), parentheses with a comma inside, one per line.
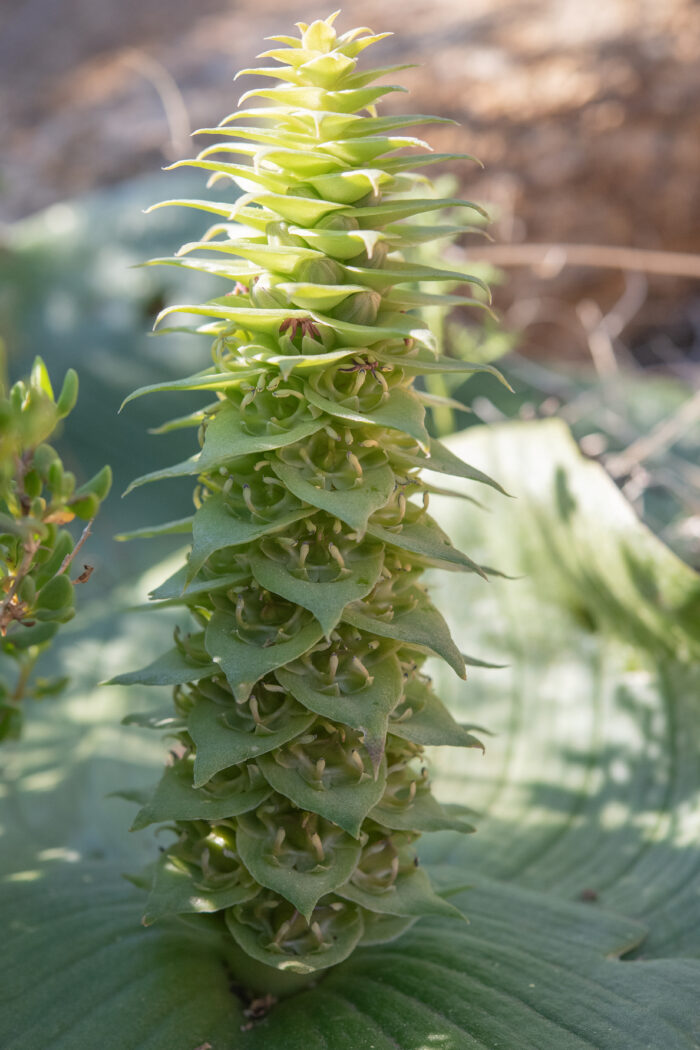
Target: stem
(25,673)
(69,557)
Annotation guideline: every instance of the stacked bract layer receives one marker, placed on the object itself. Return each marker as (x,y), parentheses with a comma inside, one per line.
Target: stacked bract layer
(298,789)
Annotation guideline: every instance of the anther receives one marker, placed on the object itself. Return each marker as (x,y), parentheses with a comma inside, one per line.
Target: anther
(317,933)
(356,760)
(336,555)
(282,933)
(358,384)
(317,846)
(354,463)
(247,499)
(359,666)
(306,458)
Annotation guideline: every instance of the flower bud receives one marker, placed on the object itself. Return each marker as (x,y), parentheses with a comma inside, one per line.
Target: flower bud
(361,308)
(278,236)
(320,271)
(264,294)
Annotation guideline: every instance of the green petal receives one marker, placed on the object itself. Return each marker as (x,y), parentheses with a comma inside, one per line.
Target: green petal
(176,798)
(442,461)
(346,804)
(214,528)
(175,892)
(401,410)
(325,600)
(220,746)
(172,668)
(244,663)
(346,939)
(426,539)
(422,626)
(429,724)
(353,505)
(411,895)
(302,888)
(367,709)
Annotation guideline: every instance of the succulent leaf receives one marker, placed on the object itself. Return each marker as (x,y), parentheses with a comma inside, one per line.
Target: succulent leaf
(298,784)
(37,496)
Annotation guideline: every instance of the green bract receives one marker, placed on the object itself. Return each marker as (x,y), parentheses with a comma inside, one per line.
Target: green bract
(37,497)
(298,789)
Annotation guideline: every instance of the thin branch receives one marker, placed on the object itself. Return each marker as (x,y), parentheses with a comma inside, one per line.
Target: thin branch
(169,93)
(69,557)
(598,256)
(666,433)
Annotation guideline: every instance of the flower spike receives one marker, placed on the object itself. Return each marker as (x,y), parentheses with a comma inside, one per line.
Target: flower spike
(298,787)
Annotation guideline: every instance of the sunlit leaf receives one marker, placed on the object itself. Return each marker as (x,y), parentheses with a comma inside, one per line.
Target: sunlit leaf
(326,600)
(352,505)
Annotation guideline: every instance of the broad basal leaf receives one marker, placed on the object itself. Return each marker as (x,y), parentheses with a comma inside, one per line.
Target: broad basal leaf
(590,783)
(529,971)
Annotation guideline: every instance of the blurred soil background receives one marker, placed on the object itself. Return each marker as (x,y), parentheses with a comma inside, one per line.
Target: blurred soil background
(587,119)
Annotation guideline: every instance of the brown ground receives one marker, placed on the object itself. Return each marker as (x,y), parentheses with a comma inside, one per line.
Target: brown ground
(587,116)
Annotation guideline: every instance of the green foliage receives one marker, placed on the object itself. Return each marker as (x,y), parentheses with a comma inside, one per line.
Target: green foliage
(37,497)
(589,790)
(294,695)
